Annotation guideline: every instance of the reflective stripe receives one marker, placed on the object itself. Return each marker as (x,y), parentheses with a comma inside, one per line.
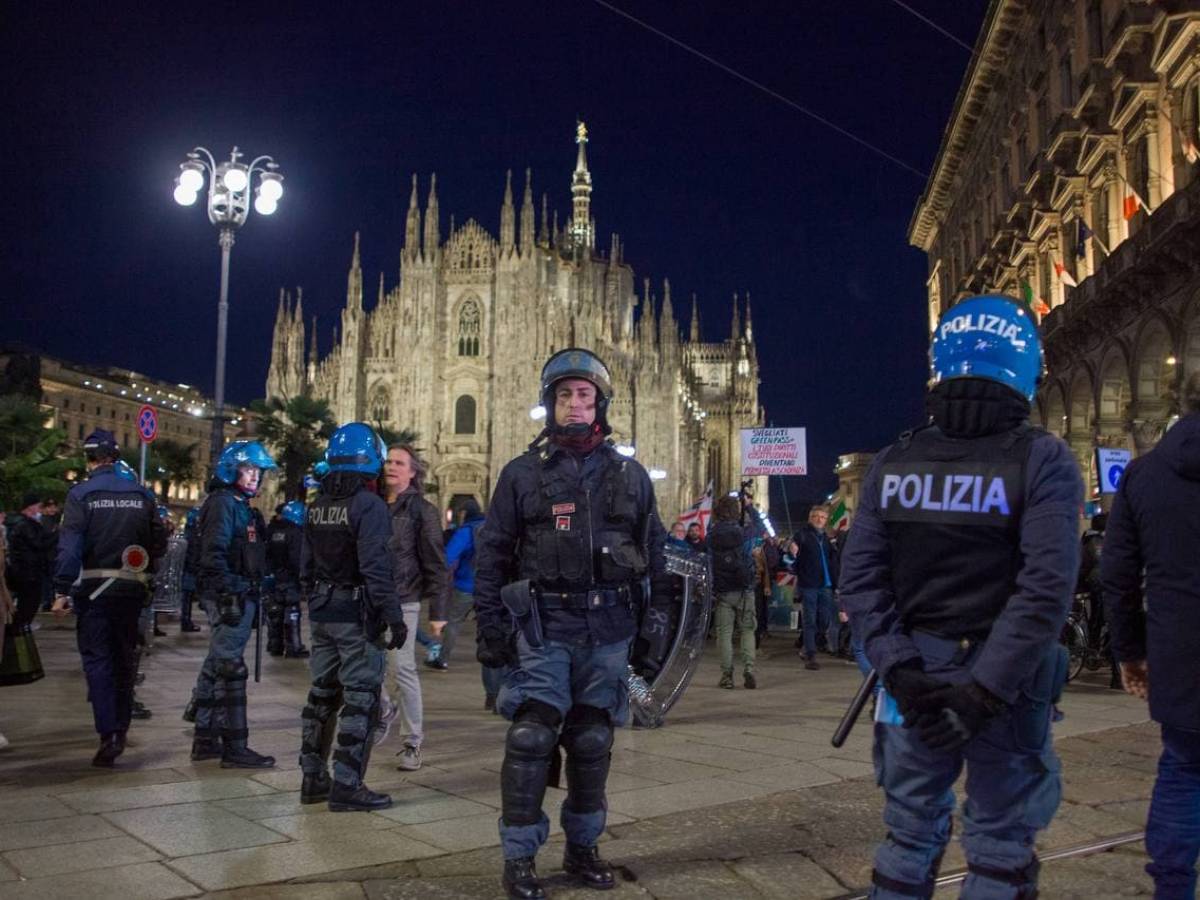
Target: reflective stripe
(124,574)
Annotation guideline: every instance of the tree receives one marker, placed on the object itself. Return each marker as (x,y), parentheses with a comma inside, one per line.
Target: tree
(22,425)
(392,436)
(296,430)
(175,463)
(32,457)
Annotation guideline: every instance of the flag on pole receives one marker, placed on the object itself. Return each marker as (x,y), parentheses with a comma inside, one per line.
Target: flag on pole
(1037,304)
(839,519)
(700,511)
(1064,276)
(1133,202)
(1082,234)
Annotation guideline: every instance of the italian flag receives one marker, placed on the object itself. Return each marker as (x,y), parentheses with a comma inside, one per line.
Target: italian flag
(839,518)
(1037,304)
(1066,277)
(1133,202)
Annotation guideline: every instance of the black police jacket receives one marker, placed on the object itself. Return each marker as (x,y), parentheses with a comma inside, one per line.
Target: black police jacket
(570,524)
(285,543)
(346,534)
(29,546)
(1154,527)
(233,549)
(966,537)
(103,517)
(732,563)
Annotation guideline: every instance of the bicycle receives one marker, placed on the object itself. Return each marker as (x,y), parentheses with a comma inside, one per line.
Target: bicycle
(1076,637)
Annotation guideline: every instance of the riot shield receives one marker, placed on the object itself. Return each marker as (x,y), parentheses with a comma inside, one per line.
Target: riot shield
(168,579)
(671,637)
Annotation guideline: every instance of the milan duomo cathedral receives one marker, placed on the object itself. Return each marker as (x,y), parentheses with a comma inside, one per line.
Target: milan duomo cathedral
(453,351)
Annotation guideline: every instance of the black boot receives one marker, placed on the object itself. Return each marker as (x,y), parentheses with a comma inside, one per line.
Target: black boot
(344,798)
(244,758)
(111,746)
(140,710)
(189,711)
(295,648)
(521,879)
(206,748)
(586,865)
(315,788)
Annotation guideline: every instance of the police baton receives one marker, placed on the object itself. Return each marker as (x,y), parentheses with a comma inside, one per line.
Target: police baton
(258,621)
(855,709)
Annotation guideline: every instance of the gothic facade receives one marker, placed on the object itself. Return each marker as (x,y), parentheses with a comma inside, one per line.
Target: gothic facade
(1069,173)
(454,349)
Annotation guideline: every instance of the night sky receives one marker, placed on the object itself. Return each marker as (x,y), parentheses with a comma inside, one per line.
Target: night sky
(709,182)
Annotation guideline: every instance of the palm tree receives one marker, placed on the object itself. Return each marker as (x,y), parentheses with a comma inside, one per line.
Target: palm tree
(43,468)
(175,463)
(22,425)
(392,436)
(296,430)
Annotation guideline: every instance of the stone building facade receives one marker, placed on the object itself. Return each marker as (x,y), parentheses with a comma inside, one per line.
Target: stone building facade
(1069,174)
(454,349)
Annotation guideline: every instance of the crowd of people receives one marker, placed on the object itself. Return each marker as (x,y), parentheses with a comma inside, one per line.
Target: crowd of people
(951,589)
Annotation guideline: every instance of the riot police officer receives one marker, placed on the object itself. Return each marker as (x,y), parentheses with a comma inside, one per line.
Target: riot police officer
(191,562)
(283,607)
(232,566)
(571,532)
(352,601)
(957,576)
(110,535)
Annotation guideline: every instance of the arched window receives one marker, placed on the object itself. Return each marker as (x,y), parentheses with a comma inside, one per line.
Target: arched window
(469,320)
(464,415)
(380,404)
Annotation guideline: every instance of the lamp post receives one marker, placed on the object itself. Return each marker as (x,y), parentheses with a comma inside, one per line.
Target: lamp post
(229,189)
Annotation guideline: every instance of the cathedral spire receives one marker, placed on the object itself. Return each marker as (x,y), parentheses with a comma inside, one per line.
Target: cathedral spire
(354,282)
(412,226)
(667,329)
(581,195)
(695,335)
(544,230)
(735,327)
(507,218)
(432,231)
(527,236)
(749,332)
(312,352)
(379,301)
(298,310)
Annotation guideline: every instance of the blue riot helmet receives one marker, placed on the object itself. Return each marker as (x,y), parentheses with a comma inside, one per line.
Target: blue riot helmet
(293,512)
(193,517)
(575,362)
(241,454)
(320,470)
(992,337)
(124,470)
(164,513)
(356,448)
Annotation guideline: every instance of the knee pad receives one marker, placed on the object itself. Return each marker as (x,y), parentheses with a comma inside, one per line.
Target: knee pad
(530,739)
(588,733)
(232,669)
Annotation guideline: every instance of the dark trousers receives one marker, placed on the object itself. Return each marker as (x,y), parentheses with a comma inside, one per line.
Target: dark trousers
(185,607)
(1173,828)
(28,593)
(107,632)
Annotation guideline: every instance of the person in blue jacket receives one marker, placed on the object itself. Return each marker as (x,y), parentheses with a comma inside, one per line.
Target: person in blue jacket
(1154,528)
(233,564)
(111,536)
(460,558)
(957,577)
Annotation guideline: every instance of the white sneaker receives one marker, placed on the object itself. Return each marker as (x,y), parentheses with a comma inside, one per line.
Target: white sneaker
(410,758)
(3,742)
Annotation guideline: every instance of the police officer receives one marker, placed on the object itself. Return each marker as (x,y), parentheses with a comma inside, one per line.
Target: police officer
(110,535)
(283,608)
(231,568)
(571,532)
(352,601)
(957,576)
(191,562)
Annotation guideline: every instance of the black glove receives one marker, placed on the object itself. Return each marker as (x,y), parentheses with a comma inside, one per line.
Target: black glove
(399,634)
(230,608)
(949,717)
(491,648)
(907,683)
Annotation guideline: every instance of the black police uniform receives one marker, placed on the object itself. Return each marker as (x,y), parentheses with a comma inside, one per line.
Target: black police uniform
(104,517)
(567,542)
(284,548)
(347,576)
(231,569)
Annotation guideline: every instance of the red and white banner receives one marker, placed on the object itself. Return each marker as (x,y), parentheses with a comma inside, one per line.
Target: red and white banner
(700,511)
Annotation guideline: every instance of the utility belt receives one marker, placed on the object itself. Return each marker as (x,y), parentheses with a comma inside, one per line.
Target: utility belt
(344,603)
(339,593)
(955,649)
(597,598)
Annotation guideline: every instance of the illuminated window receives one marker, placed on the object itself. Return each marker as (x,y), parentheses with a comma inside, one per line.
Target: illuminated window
(469,324)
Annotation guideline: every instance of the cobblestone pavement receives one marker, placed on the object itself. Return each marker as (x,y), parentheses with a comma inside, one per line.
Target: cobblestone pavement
(740,795)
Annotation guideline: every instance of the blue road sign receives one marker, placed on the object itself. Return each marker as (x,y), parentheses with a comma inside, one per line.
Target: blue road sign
(147,424)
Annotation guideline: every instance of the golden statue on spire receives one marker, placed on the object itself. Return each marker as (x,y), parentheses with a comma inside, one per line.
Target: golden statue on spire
(580,132)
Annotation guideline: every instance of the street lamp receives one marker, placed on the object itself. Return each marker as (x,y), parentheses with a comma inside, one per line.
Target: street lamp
(229,188)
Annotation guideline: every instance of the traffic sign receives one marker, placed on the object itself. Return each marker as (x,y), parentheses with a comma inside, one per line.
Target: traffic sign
(1110,466)
(147,424)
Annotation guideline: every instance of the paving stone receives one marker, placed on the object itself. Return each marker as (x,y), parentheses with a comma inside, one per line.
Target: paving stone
(670,798)
(787,777)
(659,768)
(844,768)
(476,888)
(148,881)
(38,862)
(433,809)
(335,890)
(280,862)
(190,828)
(32,807)
(324,824)
(104,800)
(693,881)
(467,833)
(787,876)
(46,832)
